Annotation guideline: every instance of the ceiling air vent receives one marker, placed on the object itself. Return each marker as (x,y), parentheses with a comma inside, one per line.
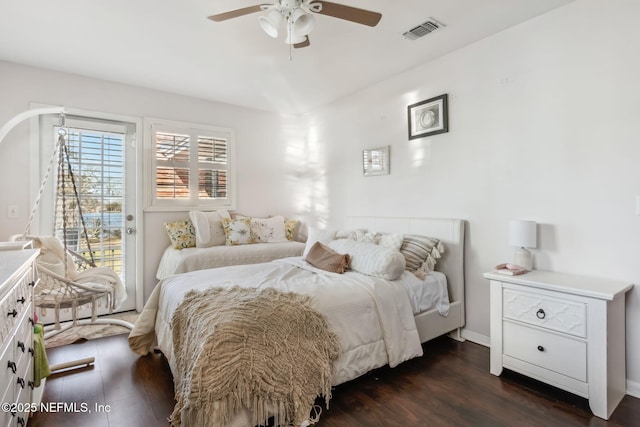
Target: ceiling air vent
(427,27)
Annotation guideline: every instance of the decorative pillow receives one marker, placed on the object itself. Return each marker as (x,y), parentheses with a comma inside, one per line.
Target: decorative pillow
(317,235)
(268,230)
(421,252)
(325,258)
(181,233)
(237,231)
(390,240)
(359,235)
(208,226)
(371,259)
(290,226)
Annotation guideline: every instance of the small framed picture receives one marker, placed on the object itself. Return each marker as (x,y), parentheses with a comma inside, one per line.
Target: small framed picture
(375,161)
(429,117)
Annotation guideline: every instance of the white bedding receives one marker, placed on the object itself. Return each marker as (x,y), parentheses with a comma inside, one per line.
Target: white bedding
(372,317)
(425,294)
(176,261)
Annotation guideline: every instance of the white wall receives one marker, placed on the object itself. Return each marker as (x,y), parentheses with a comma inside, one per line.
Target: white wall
(264,146)
(543,126)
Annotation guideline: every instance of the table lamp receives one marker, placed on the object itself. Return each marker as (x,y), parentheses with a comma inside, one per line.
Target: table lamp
(522,235)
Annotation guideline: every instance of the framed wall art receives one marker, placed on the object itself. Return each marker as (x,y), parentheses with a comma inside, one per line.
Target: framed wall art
(375,161)
(429,117)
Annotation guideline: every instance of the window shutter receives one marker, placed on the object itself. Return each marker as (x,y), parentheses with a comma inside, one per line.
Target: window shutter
(192,166)
(172,166)
(212,168)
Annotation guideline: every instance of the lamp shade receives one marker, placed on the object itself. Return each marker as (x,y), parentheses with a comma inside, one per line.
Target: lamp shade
(293,37)
(303,22)
(522,234)
(270,22)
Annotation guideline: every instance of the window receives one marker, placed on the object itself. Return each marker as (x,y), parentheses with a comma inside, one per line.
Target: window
(96,159)
(193,166)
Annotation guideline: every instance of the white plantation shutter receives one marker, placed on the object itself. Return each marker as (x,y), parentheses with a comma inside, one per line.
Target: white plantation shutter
(172,166)
(213,168)
(193,167)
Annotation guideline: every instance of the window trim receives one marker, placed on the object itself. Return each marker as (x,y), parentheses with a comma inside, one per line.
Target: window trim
(152,204)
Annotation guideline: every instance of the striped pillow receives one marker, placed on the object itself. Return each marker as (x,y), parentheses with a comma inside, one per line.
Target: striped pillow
(421,252)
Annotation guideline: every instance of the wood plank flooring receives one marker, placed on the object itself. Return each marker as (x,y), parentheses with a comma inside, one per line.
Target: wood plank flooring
(449,386)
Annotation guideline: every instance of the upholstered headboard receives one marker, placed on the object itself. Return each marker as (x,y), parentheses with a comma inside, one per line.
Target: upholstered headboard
(449,231)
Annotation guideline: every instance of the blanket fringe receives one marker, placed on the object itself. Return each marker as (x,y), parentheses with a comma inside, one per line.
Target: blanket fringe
(265,351)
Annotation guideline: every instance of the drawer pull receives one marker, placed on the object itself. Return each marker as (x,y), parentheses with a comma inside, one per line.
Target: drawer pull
(31,384)
(540,348)
(12,365)
(32,283)
(21,300)
(21,421)
(13,313)
(21,346)
(31,321)
(540,314)
(32,352)
(21,382)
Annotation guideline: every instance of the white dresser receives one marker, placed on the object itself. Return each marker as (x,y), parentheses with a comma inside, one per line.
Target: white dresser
(564,330)
(17,279)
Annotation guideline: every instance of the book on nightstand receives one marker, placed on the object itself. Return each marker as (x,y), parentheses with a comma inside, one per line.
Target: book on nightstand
(510,269)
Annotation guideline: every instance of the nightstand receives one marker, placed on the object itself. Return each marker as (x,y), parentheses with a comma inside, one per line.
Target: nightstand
(564,330)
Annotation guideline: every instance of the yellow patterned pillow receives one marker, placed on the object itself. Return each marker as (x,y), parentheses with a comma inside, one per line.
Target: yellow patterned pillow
(238,231)
(181,233)
(290,226)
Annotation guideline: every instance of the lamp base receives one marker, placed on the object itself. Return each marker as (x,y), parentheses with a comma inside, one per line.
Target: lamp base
(523,258)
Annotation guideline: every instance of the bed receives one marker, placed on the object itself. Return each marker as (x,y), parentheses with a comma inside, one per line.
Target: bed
(377,321)
(176,261)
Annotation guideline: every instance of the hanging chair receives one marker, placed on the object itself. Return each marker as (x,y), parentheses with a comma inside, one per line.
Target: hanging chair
(67,280)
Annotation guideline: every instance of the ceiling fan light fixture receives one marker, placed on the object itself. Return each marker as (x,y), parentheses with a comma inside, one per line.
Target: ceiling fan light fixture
(270,22)
(303,22)
(293,37)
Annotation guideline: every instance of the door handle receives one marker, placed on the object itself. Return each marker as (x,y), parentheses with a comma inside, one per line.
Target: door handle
(131,230)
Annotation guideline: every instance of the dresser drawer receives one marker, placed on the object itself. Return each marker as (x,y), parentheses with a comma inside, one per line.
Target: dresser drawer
(6,416)
(23,339)
(13,308)
(24,395)
(545,311)
(554,352)
(8,364)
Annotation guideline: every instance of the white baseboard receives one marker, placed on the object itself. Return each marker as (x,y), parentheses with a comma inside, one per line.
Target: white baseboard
(633,388)
(476,337)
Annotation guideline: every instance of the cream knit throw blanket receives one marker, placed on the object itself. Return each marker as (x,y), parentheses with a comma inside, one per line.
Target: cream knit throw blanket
(236,348)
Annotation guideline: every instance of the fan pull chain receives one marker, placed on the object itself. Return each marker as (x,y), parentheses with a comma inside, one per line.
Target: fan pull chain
(290,40)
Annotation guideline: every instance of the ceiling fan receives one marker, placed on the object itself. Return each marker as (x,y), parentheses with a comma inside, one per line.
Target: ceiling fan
(297,16)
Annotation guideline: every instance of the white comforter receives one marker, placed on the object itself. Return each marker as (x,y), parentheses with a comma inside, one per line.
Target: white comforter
(372,317)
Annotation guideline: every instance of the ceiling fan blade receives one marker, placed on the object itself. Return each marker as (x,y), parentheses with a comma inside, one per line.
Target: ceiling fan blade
(348,13)
(305,43)
(235,13)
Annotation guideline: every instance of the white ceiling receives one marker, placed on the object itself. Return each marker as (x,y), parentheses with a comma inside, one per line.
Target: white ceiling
(169,45)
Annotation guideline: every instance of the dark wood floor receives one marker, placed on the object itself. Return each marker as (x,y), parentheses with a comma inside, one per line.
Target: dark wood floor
(449,386)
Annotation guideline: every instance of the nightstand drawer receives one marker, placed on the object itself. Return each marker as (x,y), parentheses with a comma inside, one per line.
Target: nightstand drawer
(564,355)
(545,311)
